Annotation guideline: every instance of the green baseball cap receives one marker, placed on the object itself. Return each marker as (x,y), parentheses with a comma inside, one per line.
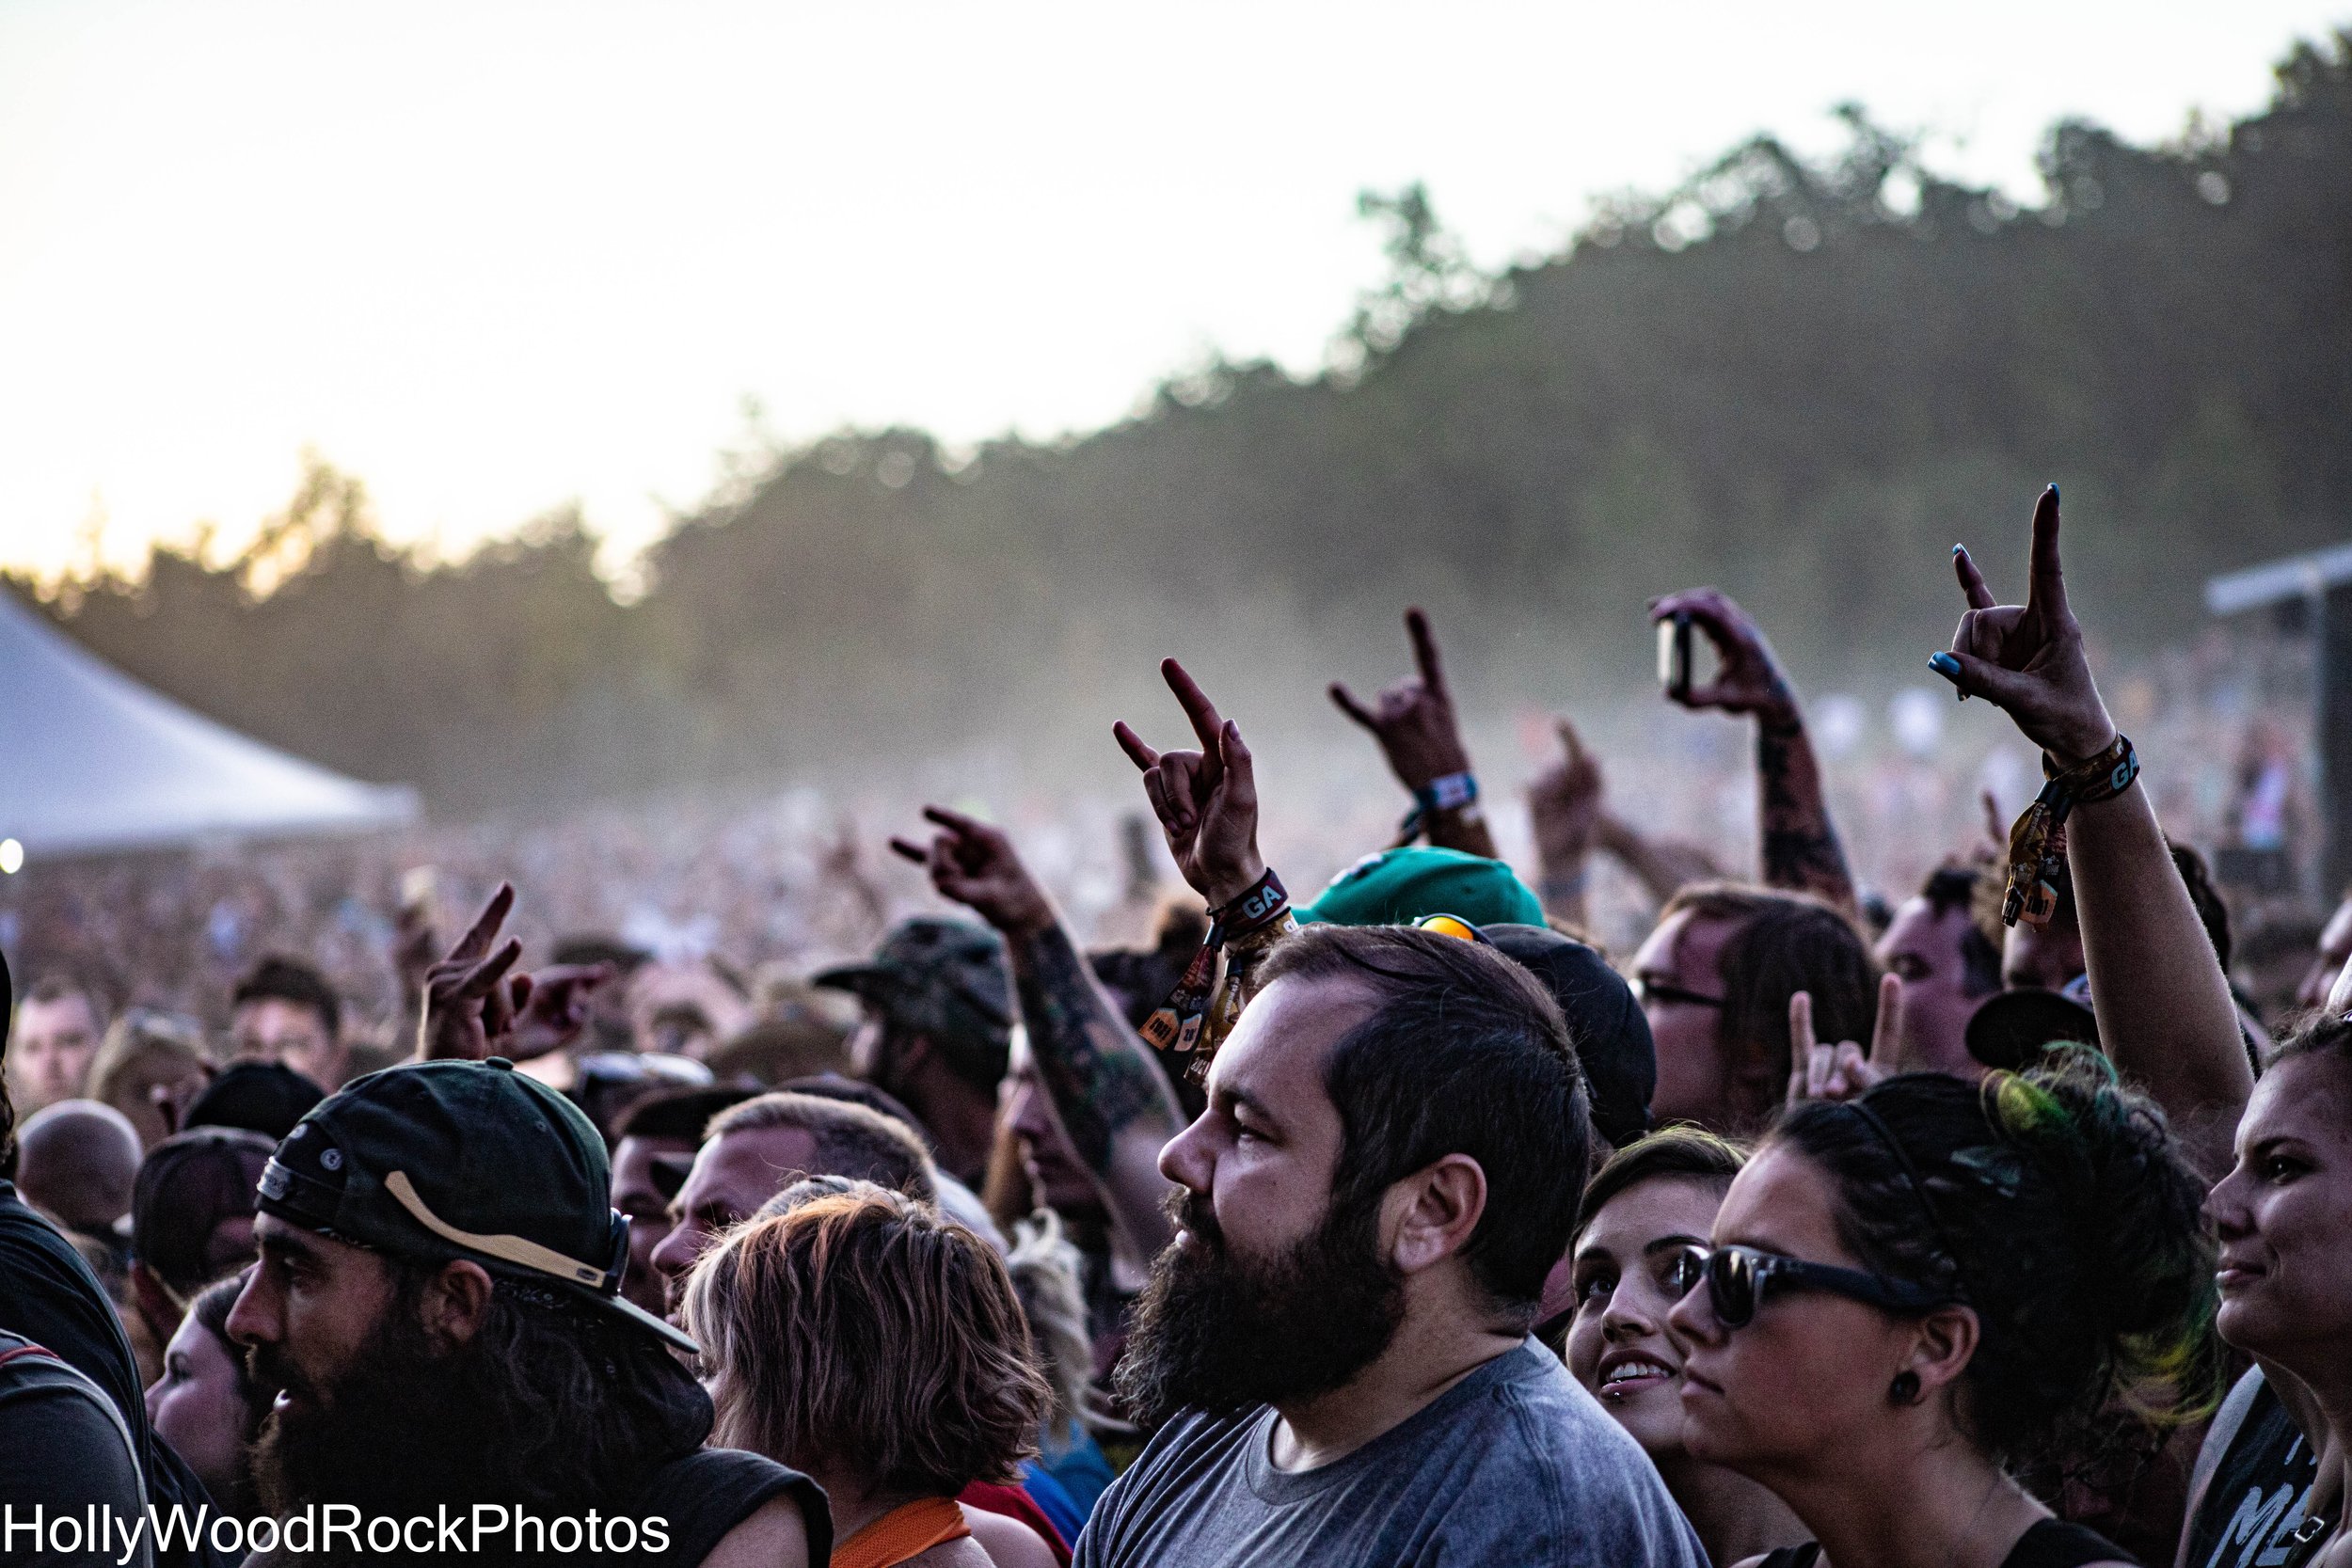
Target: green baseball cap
(937,977)
(1397,887)
(435,1161)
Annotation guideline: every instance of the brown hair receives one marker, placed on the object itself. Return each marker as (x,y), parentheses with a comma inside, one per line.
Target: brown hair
(868,1331)
(851,1140)
(1690,1153)
(1784,942)
(1465,1053)
(60,987)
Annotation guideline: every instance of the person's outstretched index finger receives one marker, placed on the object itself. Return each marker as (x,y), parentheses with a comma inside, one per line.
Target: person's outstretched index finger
(1425,651)
(1345,700)
(484,977)
(1137,753)
(1887,1033)
(1972,584)
(477,938)
(907,851)
(1195,702)
(955,822)
(1569,740)
(1206,723)
(2048,593)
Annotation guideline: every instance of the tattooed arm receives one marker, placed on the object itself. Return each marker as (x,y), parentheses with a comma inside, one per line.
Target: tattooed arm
(1109,1094)
(1801,849)
(1113,1102)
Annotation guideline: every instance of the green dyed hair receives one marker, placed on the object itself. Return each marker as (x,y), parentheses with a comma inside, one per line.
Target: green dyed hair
(2066,1216)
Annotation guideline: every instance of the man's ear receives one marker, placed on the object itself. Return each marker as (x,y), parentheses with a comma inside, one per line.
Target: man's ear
(1945,1344)
(1429,1216)
(455,1302)
(155,1302)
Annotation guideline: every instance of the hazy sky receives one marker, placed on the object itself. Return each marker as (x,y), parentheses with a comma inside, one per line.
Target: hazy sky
(492,257)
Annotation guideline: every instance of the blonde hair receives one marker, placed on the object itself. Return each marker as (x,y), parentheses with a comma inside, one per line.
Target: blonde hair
(865,1329)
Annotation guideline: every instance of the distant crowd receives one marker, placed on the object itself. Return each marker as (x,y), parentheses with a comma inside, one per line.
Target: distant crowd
(1429,1217)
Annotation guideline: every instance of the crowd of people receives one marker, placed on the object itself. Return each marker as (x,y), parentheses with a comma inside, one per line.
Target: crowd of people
(1406,1223)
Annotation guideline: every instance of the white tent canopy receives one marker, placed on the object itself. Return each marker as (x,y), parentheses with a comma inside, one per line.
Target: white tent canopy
(91,761)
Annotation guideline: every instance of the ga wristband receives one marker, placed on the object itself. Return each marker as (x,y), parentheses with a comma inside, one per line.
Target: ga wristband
(1450,792)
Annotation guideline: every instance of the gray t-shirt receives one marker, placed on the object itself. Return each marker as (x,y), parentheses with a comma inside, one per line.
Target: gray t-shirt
(1516,1464)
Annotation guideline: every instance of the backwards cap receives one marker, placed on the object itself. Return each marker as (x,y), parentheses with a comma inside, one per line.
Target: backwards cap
(435,1161)
(1397,887)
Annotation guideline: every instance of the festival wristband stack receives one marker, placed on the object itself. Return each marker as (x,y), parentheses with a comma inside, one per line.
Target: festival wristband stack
(1203,1009)
(1450,792)
(2037,843)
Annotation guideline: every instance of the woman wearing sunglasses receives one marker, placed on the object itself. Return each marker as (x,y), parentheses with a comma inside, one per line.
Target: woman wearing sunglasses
(1637,1251)
(1912,1293)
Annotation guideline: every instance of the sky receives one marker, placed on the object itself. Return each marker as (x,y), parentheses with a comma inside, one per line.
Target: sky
(499,257)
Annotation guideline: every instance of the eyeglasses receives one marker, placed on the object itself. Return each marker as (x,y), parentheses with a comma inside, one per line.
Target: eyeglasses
(1739,1277)
(1662,990)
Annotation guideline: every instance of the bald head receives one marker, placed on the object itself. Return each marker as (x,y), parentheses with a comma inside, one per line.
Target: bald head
(79,1160)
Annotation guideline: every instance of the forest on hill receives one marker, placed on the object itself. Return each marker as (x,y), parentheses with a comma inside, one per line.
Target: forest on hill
(1802,381)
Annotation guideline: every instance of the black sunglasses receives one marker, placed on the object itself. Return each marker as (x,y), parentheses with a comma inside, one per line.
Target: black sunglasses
(1738,1279)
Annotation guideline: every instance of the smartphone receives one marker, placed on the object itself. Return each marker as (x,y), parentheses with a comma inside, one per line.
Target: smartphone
(1674,653)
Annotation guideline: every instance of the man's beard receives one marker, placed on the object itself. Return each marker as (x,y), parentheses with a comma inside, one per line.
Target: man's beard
(1219,1331)
(395,1433)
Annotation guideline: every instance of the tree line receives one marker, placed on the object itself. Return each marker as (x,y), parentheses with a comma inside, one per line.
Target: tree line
(1799,380)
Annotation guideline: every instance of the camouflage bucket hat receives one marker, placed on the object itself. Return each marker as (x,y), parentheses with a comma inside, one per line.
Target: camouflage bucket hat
(935,976)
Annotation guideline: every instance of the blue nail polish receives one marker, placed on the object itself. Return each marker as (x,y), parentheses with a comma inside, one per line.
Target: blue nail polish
(1959,550)
(2054,495)
(1945,665)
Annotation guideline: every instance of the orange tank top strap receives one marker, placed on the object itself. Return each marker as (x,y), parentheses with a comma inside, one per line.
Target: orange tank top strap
(906,1532)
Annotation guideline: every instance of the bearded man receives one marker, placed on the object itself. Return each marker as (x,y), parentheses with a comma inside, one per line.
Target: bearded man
(438,1299)
(1335,1348)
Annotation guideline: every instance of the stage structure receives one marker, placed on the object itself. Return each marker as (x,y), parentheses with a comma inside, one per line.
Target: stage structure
(2314,594)
(92,762)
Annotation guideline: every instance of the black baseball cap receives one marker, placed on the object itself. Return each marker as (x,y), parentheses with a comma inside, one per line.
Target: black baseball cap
(268,1097)
(2012,1028)
(189,1187)
(435,1161)
(1605,1021)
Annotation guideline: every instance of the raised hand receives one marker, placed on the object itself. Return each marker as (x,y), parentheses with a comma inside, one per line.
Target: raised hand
(976,865)
(1206,801)
(1748,678)
(1564,803)
(554,1009)
(469,999)
(1839,1070)
(2028,659)
(1413,721)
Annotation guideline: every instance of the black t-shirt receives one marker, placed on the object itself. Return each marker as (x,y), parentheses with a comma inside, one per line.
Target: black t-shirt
(49,1295)
(683,1511)
(2259,1489)
(2051,1544)
(702,1496)
(64,1451)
